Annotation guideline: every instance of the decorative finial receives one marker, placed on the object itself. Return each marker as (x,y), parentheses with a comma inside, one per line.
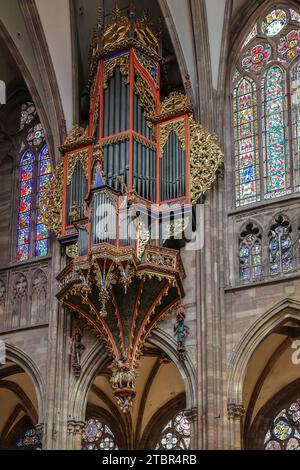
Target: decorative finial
(146,17)
(100,16)
(100,25)
(116,13)
(132,18)
(160,34)
(64,128)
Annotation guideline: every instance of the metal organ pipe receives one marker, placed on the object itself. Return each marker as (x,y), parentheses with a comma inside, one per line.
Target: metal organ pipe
(116,154)
(172,167)
(111,105)
(148,182)
(77,190)
(123,108)
(117,111)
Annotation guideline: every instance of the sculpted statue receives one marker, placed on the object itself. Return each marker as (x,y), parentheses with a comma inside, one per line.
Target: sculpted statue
(77,350)
(124,375)
(181,331)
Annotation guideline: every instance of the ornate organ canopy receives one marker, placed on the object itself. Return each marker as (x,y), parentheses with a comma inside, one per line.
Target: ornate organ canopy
(125,186)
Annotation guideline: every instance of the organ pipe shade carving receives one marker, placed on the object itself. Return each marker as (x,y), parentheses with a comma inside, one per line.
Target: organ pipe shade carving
(124,272)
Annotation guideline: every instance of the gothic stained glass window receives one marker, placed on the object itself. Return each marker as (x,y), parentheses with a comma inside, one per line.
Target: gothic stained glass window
(28,113)
(289,46)
(255,59)
(284,430)
(280,247)
(44,176)
(269,60)
(250,259)
(97,436)
(245,119)
(25,205)
(296,117)
(30,441)
(36,135)
(274,139)
(35,173)
(176,435)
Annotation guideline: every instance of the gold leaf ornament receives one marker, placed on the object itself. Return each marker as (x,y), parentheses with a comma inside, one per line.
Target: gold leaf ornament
(205,159)
(51,203)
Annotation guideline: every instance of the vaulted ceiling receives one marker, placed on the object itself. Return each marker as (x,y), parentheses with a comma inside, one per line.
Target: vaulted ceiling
(49,43)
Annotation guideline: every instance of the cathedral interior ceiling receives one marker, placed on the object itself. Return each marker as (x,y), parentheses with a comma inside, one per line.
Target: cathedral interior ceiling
(267,372)
(17,395)
(160,392)
(59,39)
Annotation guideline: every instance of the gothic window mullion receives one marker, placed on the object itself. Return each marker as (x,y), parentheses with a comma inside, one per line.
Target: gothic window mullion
(34,173)
(289,121)
(295,103)
(34,208)
(260,140)
(250,254)
(280,247)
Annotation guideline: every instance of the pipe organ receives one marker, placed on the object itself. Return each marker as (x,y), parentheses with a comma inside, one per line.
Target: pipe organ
(126,185)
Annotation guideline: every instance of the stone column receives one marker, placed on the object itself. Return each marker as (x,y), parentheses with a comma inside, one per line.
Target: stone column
(235,417)
(74,429)
(192,416)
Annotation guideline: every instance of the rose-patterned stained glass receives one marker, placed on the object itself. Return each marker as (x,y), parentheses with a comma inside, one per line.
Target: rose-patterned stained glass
(176,435)
(250,259)
(36,135)
(289,45)
(278,156)
(280,247)
(274,22)
(246,144)
(256,58)
(276,166)
(31,440)
(295,99)
(97,436)
(250,36)
(284,430)
(28,113)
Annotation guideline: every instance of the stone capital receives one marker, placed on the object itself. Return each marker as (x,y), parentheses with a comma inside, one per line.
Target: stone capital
(235,411)
(75,427)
